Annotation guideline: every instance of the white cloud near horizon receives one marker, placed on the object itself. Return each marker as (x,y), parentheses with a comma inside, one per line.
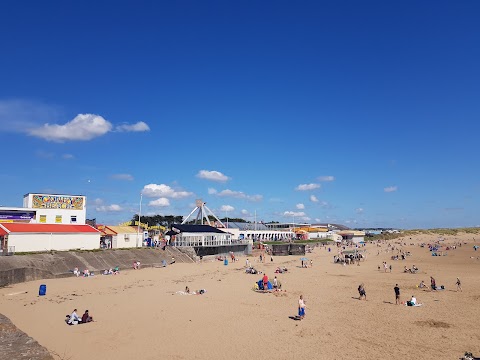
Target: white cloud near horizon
(245,212)
(313,198)
(326,178)
(359,210)
(239,195)
(307,187)
(137,127)
(160,202)
(226,208)
(300,206)
(297,214)
(212,175)
(109,208)
(126,177)
(165,191)
(390,189)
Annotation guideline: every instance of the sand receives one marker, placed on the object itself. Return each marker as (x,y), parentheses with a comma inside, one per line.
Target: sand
(140,315)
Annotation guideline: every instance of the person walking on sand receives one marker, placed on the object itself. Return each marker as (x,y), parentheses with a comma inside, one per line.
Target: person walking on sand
(301,307)
(361,292)
(459,284)
(397,294)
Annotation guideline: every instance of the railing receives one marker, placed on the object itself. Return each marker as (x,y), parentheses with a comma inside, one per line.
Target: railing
(10,250)
(198,244)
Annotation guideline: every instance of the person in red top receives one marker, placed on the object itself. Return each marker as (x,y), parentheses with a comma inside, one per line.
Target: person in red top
(265,282)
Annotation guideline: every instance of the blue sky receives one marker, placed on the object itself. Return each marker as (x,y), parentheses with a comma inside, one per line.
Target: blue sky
(364,113)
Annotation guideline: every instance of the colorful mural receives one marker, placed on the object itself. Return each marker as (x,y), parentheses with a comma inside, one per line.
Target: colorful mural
(57,202)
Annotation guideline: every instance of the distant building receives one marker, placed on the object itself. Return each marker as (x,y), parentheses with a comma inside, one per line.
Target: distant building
(22,237)
(47,209)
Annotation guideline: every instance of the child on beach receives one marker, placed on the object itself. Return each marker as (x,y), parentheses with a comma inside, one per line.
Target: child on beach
(301,307)
(459,284)
(361,292)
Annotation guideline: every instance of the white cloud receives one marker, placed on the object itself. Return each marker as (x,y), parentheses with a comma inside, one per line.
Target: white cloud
(390,189)
(211,191)
(137,127)
(359,210)
(313,198)
(98,202)
(307,187)
(239,195)
(300,206)
(19,115)
(326,178)
(226,208)
(324,204)
(82,127)
(162,190)
(245,212)
(212,175)
(161,202)
(297,214)
(68,156)
(126,177)
(109,208)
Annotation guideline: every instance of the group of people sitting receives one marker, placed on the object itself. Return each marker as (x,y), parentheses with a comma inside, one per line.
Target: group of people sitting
(196,292)
(114,271)
(281,270)
(413,270)
(412,301)
(73,318)
(252,270)
(84,273)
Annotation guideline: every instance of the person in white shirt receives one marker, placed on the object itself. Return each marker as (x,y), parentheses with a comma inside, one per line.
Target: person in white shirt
(413,301)
(275,283)
(301,307)
(74,319)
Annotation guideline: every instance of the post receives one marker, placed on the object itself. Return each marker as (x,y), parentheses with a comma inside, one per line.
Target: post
(139,219)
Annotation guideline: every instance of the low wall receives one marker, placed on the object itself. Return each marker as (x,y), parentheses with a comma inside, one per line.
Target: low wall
(21,268)
(222,250)
(281,249)
(15,344)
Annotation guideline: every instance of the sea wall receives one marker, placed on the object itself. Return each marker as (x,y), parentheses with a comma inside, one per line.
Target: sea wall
(21,268)
(15,344)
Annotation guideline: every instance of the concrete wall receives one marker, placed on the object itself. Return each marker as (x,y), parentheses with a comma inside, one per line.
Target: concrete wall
(281,249)
(21,268)
(222,250)
(32,242)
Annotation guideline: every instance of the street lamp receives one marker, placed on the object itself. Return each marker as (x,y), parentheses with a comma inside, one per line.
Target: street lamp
(139,218)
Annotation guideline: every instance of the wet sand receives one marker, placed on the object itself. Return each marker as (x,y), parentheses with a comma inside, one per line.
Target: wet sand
(140,315)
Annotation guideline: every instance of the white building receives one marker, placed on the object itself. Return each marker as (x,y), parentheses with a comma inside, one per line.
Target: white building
(56,209)
(22,237)
(120,237)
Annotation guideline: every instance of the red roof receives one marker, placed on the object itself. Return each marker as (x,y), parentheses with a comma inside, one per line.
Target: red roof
(45,228)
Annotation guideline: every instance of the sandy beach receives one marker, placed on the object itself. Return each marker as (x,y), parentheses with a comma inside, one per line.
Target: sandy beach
(141,315)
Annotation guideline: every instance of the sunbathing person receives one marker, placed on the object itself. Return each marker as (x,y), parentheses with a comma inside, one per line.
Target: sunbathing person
(73,318)
(86,318)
